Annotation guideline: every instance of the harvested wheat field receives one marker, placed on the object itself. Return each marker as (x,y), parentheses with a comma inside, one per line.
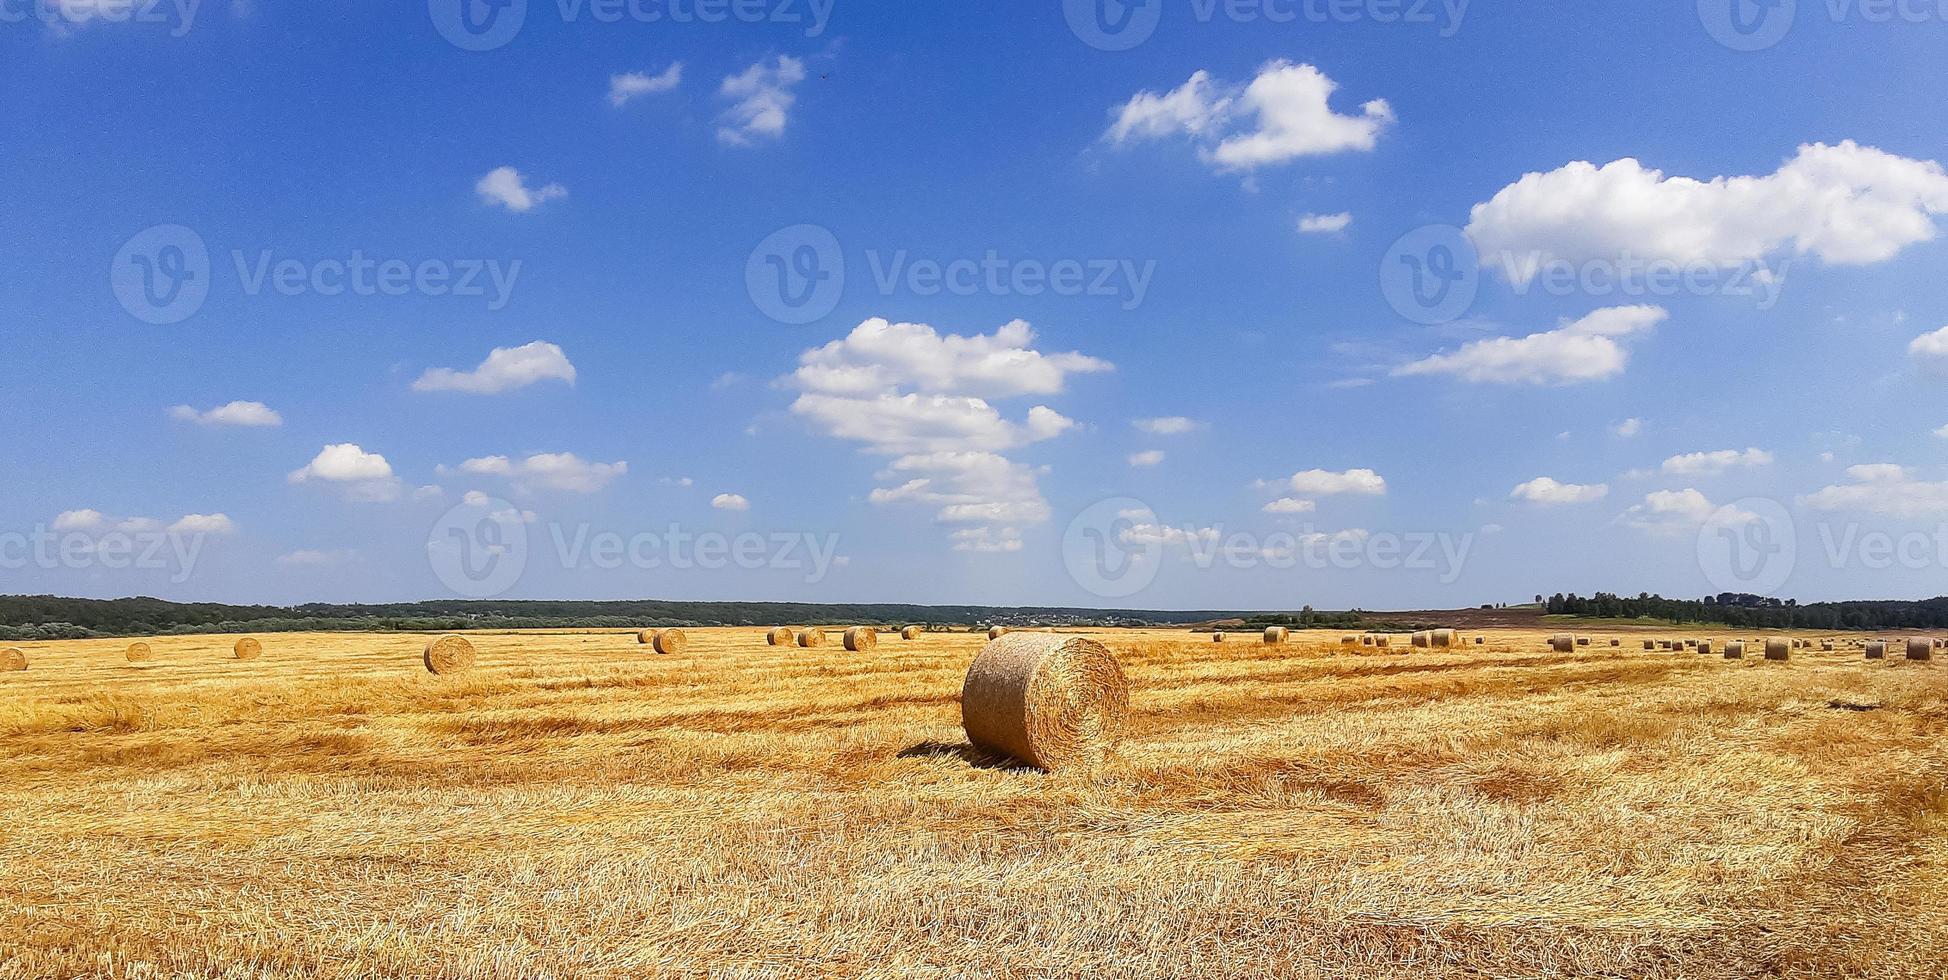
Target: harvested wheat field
(574,805)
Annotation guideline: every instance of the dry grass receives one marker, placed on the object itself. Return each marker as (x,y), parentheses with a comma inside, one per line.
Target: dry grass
(572,808)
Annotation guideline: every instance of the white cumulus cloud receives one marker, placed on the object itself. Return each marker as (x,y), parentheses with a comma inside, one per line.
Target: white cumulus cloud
(1324,224)
(240,414)
(1280,115)
(628,86)
(548,471)
(1545,490)
(1168,425)
(1325,482)
(1581,351)
(506,187)
(358,474)
(761,98)
(505,369)
(203,524)
(730,501)
(1148,457)
(1711,463)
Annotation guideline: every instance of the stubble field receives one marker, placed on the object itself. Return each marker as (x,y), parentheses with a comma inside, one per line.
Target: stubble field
(579,806)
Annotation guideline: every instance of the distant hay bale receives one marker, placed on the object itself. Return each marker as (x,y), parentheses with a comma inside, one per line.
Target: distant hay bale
(1778,648)
(1349,640)
(1582,641)
(1704,647)
(1735,650)
(1378,641)
(1050,701)
(247,648)
(1650,644)
(997,632)
(910,633)
(139,652)
(1421,640)
(1276,634)
(1826,646)
(449,654)
(1920,648)
(1615,642)
(1445,639)
(669,642)
(1480,640)
(1876,649)
(1367,640)
(1691,644)
(779,636)
(861,638)
(811,638)
(12,659)
(1217,636)
(1562,643)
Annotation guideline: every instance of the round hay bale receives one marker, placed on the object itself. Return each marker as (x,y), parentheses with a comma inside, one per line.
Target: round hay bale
(1876,649)
(13,659)
(1582,641)
(247,648)
(1349,640)
(1276,634)
(859,639)
(779,636)
(1735,650)
(811,638)
(1826,646)
(1367,640)
(669,642)
(1690,644)
(139,652)
(1615,642)
(449,654)
(1777,648)
(1445,639)
(1049,701)
(1920,648)
(910,633)
(1480,640)
(1421,640)
(997,632)
(1378,641)
(1704,647)
(1562,643)
(1650,644)
(1217,636)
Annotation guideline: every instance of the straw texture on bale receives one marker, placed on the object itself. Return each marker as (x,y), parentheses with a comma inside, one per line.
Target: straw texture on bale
(1420,640)
(1735,650)
(12,659)
(1704,647)
(811,638)
(669,641)
(1378,641)
(1366,641)
(780,636)
(1920,648)
(1777,649)
(449,654)
(247,648)
(1876,649)
(1276,634)
(1050,701)
(1562,643)
(860,638)
(139,652)
(910,633)
(1446,639)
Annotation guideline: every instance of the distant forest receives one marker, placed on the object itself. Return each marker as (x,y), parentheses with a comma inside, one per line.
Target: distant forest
(51,618)
(1757,612)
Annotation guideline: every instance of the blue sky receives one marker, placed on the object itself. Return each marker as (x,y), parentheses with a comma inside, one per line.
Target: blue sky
(1182,364)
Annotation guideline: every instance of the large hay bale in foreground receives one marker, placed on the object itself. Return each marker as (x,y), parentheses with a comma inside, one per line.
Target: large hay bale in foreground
(1920,648)
(139,652)
(811,638)
(1050,701)
(669,642)
(1276,634)
(779,636)
(247,648)
(449,654)
(1876,649)
(13,659)
(859,639)
(1778,649)
(910,632)
(1562,643)
(1735,650)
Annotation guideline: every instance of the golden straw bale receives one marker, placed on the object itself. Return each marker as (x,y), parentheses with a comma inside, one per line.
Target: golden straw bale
(811,637)
(1276,634)
(780,636)
(247,648)
(861,638)
(669,641)
(449,654)
(1920,648)
(910,633)
(1050,701)
(139,652)
(12,659)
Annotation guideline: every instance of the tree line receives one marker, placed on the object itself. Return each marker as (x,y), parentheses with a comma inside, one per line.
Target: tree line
(1757,612)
